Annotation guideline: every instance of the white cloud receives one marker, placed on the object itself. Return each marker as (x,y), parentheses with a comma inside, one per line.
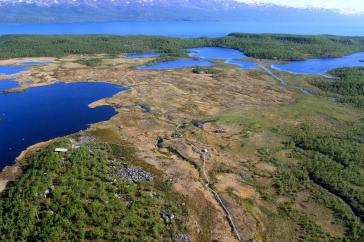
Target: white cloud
(344,6)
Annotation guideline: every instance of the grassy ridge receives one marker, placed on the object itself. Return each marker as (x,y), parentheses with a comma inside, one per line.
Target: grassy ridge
(278,47)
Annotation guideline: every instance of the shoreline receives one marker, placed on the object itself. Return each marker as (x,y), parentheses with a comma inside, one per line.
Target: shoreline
(12,172)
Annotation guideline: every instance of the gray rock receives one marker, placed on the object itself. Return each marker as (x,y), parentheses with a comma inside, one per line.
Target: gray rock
(168,217)
(182,237)
(82,141)
(135,174)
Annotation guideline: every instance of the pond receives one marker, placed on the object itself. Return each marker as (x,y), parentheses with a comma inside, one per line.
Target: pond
(231,56)
(320,66)
(215,53)
(243,64)
(142,55)
(7,84)
(202,56)
(10,70)
(42,113)
(34,63)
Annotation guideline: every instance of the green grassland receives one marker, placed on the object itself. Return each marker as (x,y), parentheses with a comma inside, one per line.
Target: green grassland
(276,47)
(316,146)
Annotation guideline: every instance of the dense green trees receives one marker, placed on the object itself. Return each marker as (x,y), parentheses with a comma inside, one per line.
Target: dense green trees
(338,165)
(280,47)
(78,196)
(292,47)
(332,169)
(12,46)
(348,86)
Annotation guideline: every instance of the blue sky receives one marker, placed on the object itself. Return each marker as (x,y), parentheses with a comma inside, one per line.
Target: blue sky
(344,6)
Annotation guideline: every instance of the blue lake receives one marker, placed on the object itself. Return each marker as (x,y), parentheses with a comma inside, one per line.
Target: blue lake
(231,56)
(202,57)
(320,66)
(187,28)
(243,64)
(215,53)
(9,70)
(34,63)
(7,84)
(177,64)
(142,55)
(42,113)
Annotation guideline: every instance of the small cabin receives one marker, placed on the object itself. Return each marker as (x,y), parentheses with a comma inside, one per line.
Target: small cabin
(61,150)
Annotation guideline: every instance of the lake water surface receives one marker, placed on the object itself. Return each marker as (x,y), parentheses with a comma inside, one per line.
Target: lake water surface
(7,84)
(320,66)
(215,53)
(243,64)
(9,70)
(231,56)
(34,63)
(42,113)
(186,28)
(202,57)
(142,55)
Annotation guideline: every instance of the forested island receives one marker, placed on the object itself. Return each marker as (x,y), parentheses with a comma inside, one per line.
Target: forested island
(275,47)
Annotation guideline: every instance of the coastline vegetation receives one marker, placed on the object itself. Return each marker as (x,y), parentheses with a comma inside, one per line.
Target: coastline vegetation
(79,195)
(293,47)
(347,87)
(264,46)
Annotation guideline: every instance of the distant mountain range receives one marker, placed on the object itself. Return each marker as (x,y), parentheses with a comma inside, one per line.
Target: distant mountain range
(156,10)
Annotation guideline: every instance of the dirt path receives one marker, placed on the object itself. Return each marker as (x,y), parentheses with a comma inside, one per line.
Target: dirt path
(229,216)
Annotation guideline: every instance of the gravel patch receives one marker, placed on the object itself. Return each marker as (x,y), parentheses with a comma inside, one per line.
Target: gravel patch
(135,174)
